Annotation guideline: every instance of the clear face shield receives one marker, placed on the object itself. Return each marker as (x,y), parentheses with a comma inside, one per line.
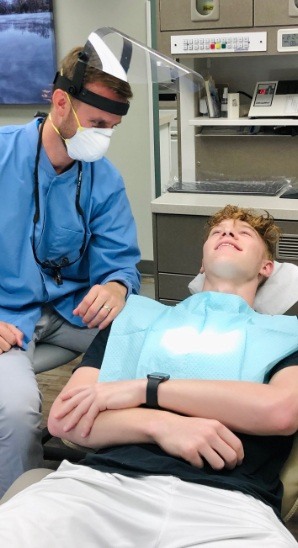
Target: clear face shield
(128,60)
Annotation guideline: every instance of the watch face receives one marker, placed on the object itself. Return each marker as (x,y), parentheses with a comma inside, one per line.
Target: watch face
(158,376)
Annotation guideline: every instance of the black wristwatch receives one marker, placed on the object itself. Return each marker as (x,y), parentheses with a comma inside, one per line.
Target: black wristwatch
(154,379)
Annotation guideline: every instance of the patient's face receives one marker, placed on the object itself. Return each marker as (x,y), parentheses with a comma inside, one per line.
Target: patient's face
(234,251)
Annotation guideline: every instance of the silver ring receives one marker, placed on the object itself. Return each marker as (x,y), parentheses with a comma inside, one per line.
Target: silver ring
(107,308)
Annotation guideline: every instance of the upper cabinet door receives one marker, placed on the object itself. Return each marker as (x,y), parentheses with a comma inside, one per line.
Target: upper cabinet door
(269,13)
(184,15)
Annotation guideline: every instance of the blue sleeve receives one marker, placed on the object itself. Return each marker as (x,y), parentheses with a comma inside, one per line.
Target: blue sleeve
(114,251)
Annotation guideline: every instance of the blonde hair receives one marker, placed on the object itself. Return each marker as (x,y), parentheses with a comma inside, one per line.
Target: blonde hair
(92,74)
(263,223)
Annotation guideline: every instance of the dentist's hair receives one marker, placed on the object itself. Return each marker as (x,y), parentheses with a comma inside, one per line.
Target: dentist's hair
(94,75)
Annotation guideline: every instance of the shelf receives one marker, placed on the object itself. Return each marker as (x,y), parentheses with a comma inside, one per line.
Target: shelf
(241,131)
(202,121)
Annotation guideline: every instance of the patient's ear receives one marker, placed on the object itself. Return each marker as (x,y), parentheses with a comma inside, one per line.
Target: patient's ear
(202,269)
(267,268)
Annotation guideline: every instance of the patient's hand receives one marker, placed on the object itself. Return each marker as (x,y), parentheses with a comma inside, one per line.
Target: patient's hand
(196,439)
(86,402)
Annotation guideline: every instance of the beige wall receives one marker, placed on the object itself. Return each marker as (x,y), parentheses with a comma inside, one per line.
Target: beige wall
(132,147)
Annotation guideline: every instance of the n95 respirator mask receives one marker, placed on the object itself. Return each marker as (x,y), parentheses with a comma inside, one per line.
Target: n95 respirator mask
(89,144)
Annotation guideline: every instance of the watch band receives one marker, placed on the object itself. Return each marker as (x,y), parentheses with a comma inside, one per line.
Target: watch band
(154,380)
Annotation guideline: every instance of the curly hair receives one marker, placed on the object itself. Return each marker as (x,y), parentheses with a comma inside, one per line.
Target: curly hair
(263,223)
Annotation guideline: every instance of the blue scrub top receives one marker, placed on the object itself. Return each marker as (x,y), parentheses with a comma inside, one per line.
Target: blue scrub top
(111,246)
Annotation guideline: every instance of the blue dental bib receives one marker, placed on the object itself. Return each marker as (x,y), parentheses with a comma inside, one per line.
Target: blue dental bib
(209,335)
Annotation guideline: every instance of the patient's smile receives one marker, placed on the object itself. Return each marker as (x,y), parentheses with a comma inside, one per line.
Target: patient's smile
(228,244)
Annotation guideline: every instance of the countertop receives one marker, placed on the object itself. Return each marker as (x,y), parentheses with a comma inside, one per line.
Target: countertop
(207,204)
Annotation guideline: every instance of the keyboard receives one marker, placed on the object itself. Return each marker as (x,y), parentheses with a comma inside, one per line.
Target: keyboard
(261,188)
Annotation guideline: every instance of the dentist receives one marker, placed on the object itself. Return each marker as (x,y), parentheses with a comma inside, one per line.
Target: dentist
(67,240)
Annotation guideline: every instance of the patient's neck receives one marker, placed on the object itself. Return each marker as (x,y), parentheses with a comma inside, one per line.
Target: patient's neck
(246,290)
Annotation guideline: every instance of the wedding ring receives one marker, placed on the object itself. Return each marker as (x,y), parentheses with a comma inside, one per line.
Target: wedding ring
(107,308)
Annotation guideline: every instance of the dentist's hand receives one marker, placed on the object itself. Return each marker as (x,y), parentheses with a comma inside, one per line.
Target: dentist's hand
(102,304)
(10,336)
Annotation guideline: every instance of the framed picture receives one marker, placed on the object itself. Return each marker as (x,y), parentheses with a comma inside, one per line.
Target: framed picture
(27,45)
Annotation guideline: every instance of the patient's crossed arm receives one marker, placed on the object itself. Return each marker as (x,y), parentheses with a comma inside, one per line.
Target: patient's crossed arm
(252,408)
(191,438)
(205,412)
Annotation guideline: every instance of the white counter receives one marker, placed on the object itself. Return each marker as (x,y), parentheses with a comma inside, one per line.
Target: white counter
(207,204)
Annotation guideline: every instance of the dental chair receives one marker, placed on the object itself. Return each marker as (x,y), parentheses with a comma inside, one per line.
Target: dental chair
(289,478)
(268,301)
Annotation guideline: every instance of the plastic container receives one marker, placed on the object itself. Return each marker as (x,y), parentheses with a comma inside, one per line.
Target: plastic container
(224,104)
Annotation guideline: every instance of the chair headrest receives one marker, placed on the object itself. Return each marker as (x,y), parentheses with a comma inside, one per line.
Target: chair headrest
(278,294)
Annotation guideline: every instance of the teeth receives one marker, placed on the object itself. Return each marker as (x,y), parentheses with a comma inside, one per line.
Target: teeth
(229,245)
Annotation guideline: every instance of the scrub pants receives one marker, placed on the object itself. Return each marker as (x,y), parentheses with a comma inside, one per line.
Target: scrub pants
(20,399)
(78,506)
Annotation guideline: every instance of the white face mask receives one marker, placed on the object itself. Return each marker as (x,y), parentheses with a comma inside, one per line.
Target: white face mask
(89,144)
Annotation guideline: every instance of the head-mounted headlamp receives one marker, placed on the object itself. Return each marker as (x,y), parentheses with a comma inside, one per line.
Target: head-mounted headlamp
(97,55)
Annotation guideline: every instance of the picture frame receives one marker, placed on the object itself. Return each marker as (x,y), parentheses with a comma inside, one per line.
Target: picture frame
(27,43)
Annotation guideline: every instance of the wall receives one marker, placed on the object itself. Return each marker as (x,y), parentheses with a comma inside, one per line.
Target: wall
(132,144)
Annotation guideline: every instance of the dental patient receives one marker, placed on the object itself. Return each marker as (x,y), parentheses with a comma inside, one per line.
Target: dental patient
(190,412)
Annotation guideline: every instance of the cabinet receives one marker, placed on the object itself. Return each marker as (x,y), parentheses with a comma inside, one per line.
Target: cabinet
(176,17)
(186,14)
(275,13)
(220,148)
(230,149)
(254,156)
(178,235)
(178,219)
(178,241)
